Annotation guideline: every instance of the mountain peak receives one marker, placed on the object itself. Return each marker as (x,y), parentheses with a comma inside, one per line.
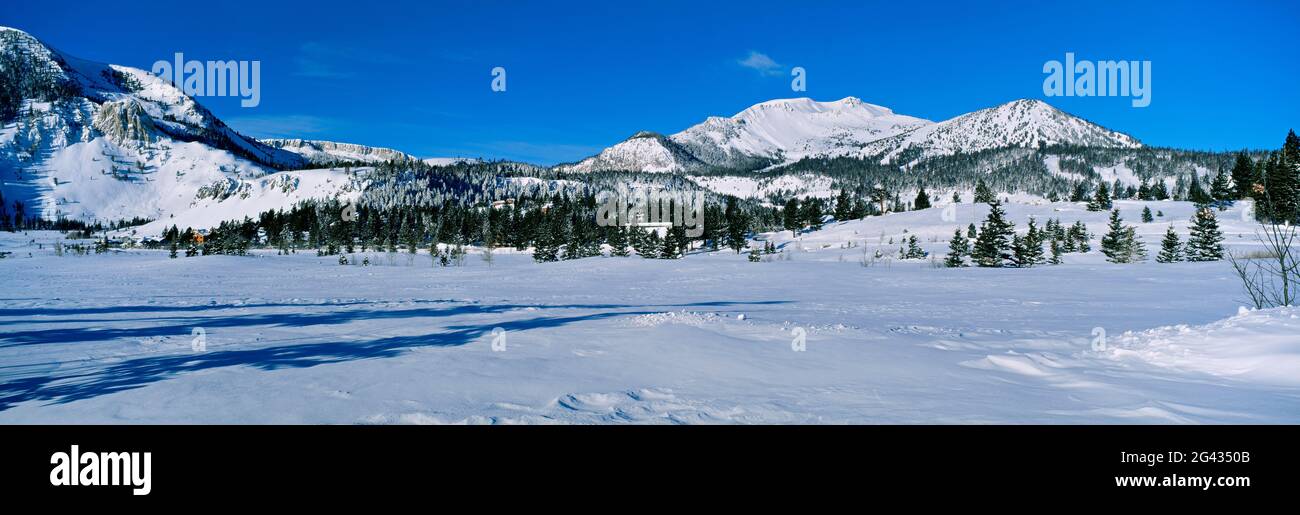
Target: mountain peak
(1025,123)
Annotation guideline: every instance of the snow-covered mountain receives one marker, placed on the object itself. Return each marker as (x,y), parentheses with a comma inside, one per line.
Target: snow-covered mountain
(86,140)
(1021,123)
(645,151)
(767,133)
(782,130)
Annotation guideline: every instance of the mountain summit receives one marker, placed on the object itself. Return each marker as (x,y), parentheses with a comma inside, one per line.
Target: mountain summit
(766,133)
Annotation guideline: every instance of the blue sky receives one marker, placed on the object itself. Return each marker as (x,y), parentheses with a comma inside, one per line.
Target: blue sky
(581,76)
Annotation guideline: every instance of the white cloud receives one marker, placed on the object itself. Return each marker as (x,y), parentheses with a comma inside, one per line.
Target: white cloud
(762,63)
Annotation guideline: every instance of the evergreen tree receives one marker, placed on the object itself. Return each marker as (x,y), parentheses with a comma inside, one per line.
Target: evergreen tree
(1120,244)
(1171,249)
(971,232)
(1147,217)
(1079,238)
(843,207)
(983,194)
(958,249)
(1056,252)
(1101,200)
(914,249)
(617,241)
(1031,249)
(812,213)
(672,243)
(1196,194)
(922,200)
(1243,176)
(993,246)
(1206,241)
(737,229)
(1221,189)
(1159,191)
(791,221)
(172,253)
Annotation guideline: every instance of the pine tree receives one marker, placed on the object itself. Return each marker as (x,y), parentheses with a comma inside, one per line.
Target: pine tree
(672,244)
(971,232)
(993,246)
(617,241)
(1147,217)
(1221,189)
(1206,241)
(1171,249)
(1243,176)
(1121,244)
(914,249)
(1101,200)
(983,194)
(843,207)
(1196,194)
(1031,251)
(922,200)
(790,218)
(958,249)
(1056,252)
(172,253)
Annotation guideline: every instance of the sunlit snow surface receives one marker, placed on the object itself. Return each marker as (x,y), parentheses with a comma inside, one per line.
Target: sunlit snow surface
(300,339)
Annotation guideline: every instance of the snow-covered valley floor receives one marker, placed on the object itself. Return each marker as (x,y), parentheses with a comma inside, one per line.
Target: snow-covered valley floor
(706,339)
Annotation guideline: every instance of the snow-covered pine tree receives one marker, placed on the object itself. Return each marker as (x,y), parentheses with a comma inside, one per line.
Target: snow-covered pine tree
(1056,252)
(983,194)
(992,245)
(958,249)
(1206,240)
(1032,245)
(1147,217)
(1112,243)
(1171,249)
(914,249)
(1101,200)
(1080,237)
(617,241)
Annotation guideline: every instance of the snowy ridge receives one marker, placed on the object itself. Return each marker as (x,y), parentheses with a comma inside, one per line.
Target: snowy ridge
(767,133)
(93,141)
(1021,123)
(325,152)
(644,151)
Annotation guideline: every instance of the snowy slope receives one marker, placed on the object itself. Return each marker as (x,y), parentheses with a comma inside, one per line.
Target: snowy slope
(92,141)
(769,132)
(300,339)
(788,130)
(249,198)
(645,152)
(1021,123)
